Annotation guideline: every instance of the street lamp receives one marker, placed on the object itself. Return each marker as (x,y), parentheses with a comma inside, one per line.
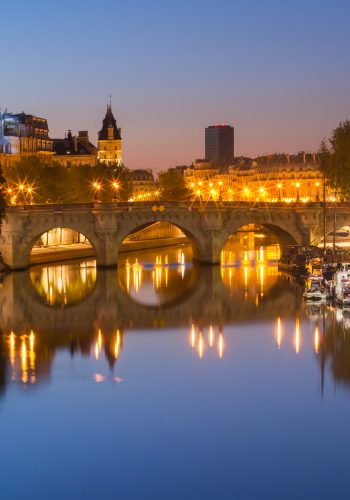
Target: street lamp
(97,192)
(30,193)
(115,186)
(220,192)
(298,194)
(317,191)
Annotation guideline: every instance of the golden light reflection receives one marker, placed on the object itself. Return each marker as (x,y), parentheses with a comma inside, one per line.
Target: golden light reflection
(12,347)
(211,336)
(279,333)
(64,284)
(221,345)
(23,360)
(117,345)
(24,364)
(193,336)
(200,344)
(316,339)
(127,269)
(137,275)
(297,336)
(98,344)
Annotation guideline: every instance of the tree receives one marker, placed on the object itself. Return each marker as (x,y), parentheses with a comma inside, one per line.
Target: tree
(335,160)
(50,182)
(172,186)
(2,197)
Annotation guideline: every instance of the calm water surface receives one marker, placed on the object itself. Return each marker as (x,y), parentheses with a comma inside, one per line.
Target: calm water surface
(163,380)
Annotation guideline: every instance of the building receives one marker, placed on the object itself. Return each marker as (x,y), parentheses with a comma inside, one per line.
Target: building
(272,178)
(219,144)
(277,177)
(110,146)
(75,150)
(22,133)
(142,183)
(199,176)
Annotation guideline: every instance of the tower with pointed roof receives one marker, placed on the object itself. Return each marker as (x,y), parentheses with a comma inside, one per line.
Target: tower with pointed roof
(110,144)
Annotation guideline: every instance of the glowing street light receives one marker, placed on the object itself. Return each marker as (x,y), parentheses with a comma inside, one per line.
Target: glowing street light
(115,186)
(317,191)
(97,190)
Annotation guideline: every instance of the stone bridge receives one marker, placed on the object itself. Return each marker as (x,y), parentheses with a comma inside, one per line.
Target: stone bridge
(207,226)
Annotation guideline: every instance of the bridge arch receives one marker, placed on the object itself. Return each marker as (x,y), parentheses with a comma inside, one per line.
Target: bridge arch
(34,238)
(282,236)
(16,249)
(192,233)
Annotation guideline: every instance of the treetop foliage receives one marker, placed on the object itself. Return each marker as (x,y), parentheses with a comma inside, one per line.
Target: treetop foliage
(334,157)
(53,183)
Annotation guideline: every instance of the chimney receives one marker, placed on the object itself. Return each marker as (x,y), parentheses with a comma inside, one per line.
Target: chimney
(83,138)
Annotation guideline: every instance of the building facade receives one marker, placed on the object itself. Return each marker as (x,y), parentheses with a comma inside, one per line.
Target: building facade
(23,133)
(110,144)
(272,178)
(75,150)
(219,144)
(143,185)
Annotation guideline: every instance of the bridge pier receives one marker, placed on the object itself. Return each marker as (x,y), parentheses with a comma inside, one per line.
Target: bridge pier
(14,253)
(106,250)
(208,253)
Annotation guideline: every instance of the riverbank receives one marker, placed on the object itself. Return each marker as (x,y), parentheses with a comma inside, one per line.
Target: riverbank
(83,250)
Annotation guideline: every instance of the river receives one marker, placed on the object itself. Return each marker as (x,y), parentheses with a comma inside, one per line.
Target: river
(160,379)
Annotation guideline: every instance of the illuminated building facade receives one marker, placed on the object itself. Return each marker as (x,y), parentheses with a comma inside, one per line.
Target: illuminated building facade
(75,150)
(277,177)
(219,144)
(109,140)
(272,178)
(22,133)
(143,184)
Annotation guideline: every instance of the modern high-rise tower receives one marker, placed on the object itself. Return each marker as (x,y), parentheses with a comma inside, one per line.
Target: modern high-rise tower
(219,144)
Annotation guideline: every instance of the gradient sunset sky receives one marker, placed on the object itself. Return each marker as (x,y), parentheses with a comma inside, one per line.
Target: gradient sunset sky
(278,71)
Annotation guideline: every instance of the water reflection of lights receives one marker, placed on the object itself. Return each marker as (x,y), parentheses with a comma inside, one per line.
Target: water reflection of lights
(64,284)
(279,333)
(316,339)
(211,336)
(221,345)
(112,347)
(297,336)
(117,345)
(160,270)
(23,360)
(198,344)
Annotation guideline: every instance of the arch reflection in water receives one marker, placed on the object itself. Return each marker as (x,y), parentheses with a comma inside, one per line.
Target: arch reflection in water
(64,284)
(156,277)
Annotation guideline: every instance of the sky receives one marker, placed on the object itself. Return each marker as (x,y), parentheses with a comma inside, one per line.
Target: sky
(278,71)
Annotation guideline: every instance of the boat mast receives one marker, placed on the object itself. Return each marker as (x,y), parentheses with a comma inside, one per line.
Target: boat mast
(324,215)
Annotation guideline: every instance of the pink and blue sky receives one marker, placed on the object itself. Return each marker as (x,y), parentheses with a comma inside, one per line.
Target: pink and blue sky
(278,71)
